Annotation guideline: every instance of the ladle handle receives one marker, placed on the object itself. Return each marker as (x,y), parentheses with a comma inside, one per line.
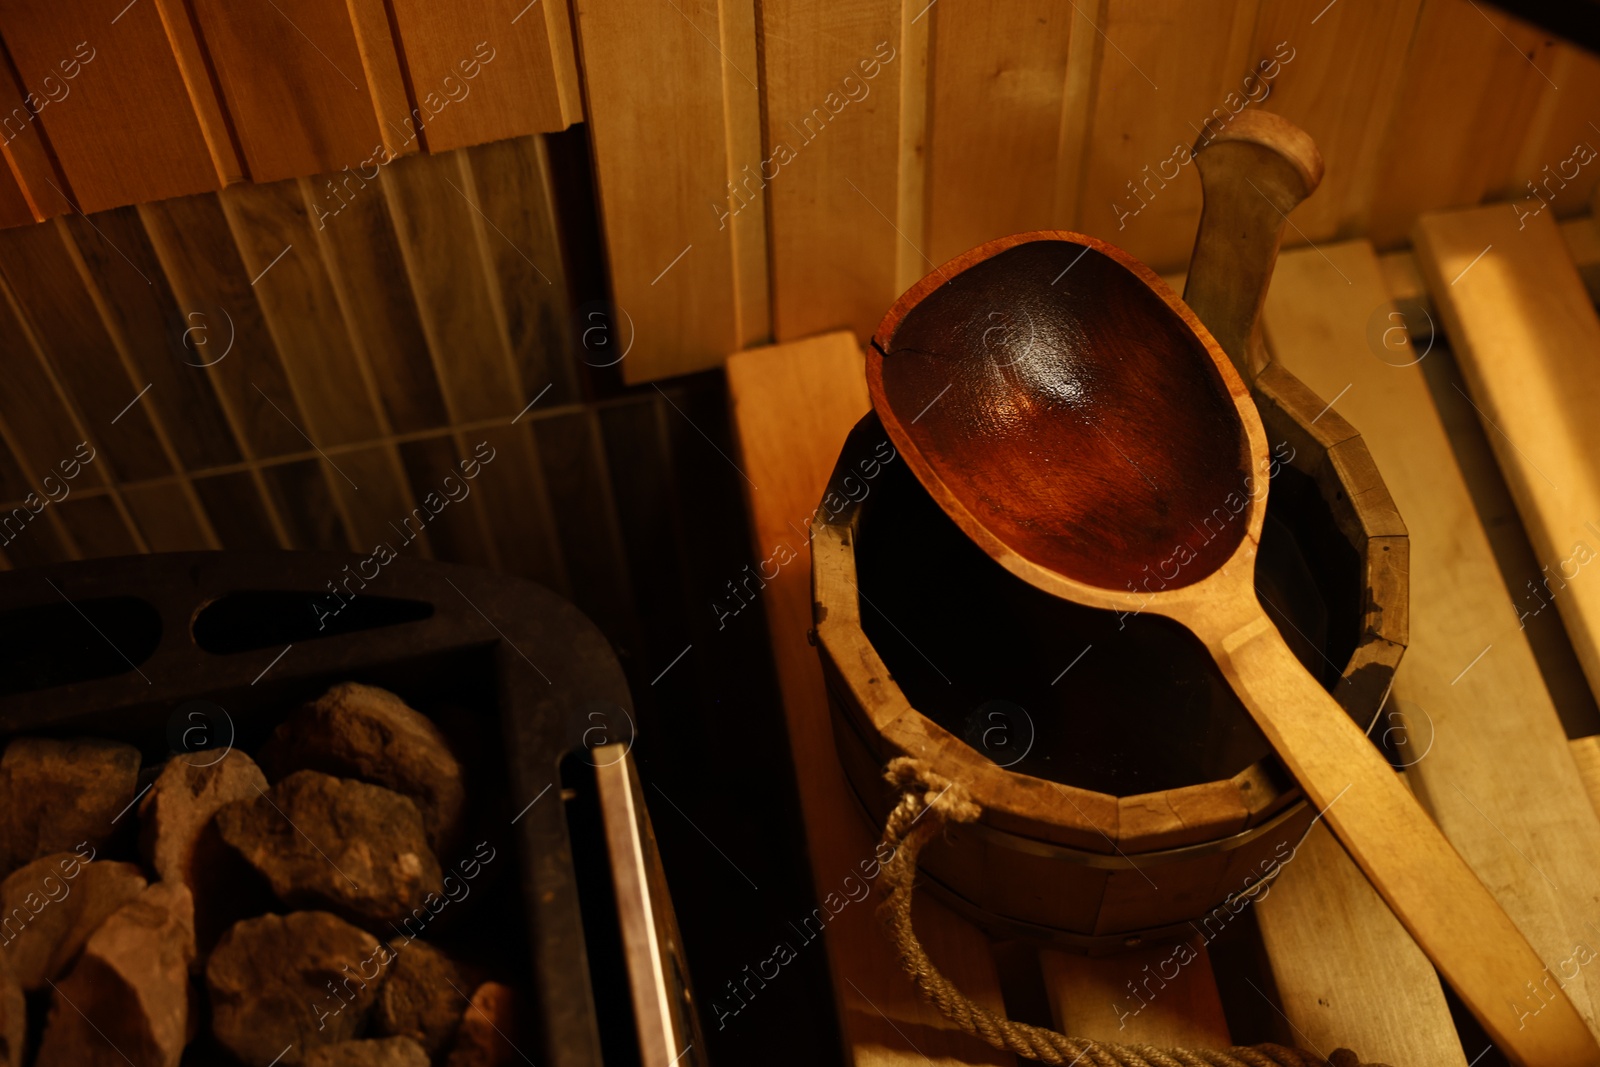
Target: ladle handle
(1426,883)
(1254,171)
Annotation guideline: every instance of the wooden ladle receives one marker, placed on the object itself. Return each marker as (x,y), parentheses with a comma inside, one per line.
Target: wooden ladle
(1079,423)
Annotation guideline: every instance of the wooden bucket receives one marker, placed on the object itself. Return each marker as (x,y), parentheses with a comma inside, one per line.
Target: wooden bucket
(1127,795)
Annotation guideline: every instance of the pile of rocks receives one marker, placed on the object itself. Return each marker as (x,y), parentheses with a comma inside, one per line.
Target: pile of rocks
(277,903)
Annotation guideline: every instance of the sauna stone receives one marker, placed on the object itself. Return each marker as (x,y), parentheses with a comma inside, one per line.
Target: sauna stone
(420,999)
(180,841)
(487,1030)
(49,907)
(381,1052)
(320,841)
(298,981)
(127,998)
(361,731)
(58,795)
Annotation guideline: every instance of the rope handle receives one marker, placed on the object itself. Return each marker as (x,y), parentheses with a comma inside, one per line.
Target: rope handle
(929,801)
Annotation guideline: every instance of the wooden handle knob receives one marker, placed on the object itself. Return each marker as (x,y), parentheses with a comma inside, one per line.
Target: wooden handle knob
(1254,171)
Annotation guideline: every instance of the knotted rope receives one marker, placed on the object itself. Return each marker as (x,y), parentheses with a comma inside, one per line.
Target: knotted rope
(928,801)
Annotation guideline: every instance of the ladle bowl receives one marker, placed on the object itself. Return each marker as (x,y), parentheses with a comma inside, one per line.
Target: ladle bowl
(1076,420)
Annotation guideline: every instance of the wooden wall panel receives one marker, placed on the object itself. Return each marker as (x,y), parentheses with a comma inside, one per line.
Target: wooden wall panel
(989,178)
(1473,78)
(22,142)
(836,205)
(123,277)
(362,252)
(1341,89)
(487,71)
(122,125)
(205,94)
(41,429)
(272,227)
(1156,89)
(169,518)
(225,334)
(443,255)
(658,118)
(510,187)
(308,110)
(79,353)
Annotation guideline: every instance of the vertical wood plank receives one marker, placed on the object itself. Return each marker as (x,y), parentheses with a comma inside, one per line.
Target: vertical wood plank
(511,188)
(225,334)
(307,111)
(30,542)
(73,342)
(22,141)
(42,430)
(579,485)
(310,513)
(516,505)
(385,80)
(205,94)
(485,72)
(835,200)
(272,227)
(122,126)
(444,260)
(1156,90)
(1549,172)
(384,499)
(999,89)
(454,529)
(1341,88)
(656,91)
(1472,81)
(124,279)
(362,252)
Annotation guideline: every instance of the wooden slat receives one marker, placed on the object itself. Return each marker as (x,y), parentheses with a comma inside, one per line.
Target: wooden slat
(443,257)
(1586,754)
(987,179)
(578,481)
(1473,78)
(1346,972)
(1503,787)
(656,89)
(1155,88)
(1341,89)
(272,225)
(42,430)
(510,186)
(362,252)
(516,505)
(78,352)
(309,109)
(835,205)
(1561,123)
(22,142)
(385,80)
(133,298)
(123,127)
(301,496)
(792,407)
(223,329)
(1525,334)
(205,96)
(487,71)
(455,531)
(378,508)
(1159,994)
